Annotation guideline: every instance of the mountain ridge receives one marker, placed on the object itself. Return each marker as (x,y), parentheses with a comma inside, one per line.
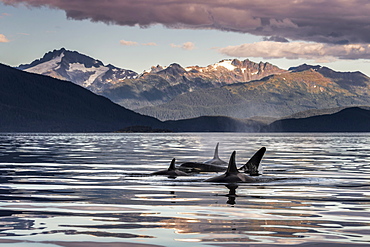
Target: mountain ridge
(153,87)
(77,68)
(37,103)
(353,119)
(232,88)
(273,96)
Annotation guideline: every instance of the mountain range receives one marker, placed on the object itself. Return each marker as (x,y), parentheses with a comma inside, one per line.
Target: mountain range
(232,88)
(230,95)
(150,88)
(37,103)
(302,88)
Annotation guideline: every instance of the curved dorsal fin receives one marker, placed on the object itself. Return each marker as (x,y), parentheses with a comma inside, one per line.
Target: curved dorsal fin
(215,156)
(232,165)
(253,164)
(172,165)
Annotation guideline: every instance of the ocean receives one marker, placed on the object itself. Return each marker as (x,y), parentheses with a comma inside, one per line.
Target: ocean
(80,190)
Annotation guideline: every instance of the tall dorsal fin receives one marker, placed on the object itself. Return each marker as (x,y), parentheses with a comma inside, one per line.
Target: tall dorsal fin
(215,156)
(232,165)
(253,164)
(172,165)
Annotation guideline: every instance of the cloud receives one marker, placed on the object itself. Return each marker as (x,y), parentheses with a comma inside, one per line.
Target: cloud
(188,46)
(3,39)
(2,15)
(328,21)
(128,43)
(150,44)
(185,46)
(295,50)
(134,43)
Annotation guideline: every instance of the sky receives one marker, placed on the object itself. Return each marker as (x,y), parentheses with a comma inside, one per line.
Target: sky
(138,34)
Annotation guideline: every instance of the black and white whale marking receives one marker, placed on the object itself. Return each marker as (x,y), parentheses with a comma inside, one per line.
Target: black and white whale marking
(232,174)
(171,172)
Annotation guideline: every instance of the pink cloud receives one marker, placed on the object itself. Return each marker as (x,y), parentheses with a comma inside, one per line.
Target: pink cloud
(185,46)
(128,43)
(2,15)
(295,50)
(3,39)
(150,44)
(134,43)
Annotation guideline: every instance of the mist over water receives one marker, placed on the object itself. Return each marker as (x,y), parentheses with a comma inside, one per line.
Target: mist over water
(95,190)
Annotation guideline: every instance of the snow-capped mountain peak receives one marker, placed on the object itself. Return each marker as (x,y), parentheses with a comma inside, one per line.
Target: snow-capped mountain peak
(48,65)
(49,61)
(228,64)
(78,68)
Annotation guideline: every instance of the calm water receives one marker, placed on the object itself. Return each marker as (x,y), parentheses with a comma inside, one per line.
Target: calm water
(79,190)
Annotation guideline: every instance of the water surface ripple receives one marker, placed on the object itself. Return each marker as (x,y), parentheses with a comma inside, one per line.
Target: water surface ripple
(77,190)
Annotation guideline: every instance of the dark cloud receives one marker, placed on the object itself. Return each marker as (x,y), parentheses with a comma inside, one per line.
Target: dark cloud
(326,21)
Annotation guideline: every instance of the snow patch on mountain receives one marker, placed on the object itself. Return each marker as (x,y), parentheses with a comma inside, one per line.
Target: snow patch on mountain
(50,65)
(96,72)
(155,69)
(226,64)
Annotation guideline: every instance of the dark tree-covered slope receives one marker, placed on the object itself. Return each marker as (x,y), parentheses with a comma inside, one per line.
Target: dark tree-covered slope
(352,119)
(36,103)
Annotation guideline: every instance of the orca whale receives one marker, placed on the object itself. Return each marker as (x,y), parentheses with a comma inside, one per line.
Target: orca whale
(252,167)
(232,174)
(212,165)
(216,159)
(172,171)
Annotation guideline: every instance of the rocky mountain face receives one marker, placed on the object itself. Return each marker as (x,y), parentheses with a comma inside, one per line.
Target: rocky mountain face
(303,88)
(352,81)
(221,73)
(79,69)
(153,87)
(161,84)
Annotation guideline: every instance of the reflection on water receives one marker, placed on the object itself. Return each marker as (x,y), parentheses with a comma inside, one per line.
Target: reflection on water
(95,190)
